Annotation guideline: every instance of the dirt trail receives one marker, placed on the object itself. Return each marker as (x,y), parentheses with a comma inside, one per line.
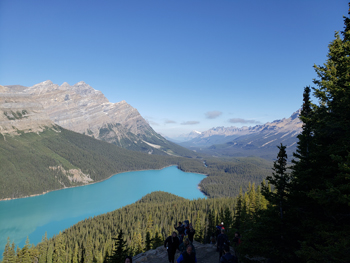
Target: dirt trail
(206,253)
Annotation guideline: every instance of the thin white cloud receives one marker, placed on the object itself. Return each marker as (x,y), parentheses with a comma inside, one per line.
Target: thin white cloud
(239,120)
(190,123)
(153,123)
(212,114)
(169,121)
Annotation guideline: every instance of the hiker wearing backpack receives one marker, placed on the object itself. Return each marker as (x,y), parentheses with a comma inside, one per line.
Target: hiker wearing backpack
(181,231)
(191,233)
(227,257)
(222,240)
(172,243)
(218,229)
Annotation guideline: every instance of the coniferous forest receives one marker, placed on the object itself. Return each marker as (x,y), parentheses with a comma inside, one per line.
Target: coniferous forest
(300,214)
(33,164)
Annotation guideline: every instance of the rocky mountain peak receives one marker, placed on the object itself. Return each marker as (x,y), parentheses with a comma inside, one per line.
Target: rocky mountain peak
(295,115)
(65,84)
(83,109)
(46,82)
(84,89)
(19,112)
(3,89)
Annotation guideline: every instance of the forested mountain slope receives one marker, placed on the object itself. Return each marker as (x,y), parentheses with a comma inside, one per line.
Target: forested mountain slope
(34,163)
(56,158)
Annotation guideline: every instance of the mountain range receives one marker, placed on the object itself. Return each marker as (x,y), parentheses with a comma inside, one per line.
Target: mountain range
(259,140)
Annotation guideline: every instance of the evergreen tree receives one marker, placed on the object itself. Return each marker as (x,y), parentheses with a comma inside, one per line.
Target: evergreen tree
(24,254)
(238,210)
(228,222)
(198,227)
(9,252)
(211,225)
(88,255)
(157,241)
(315,204)
(280,179)
(120,251)
(322,172)
(75,254)
(58,255)
(49,253)
(148,241)
(43,247)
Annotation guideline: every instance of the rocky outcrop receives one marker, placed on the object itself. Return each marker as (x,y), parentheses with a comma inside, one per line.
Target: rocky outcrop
(21,113)
(74,175)
(205,253)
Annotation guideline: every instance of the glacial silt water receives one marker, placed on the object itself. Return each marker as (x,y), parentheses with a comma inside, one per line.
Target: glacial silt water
(58,210)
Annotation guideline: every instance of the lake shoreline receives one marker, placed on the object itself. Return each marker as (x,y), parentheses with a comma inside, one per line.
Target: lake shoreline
(45,192)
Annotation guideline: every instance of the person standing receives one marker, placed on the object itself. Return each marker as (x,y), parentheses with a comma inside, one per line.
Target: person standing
(191,233)
(172,243)
(188,256)
(222,240)
(227,257)
(183,246)
(236,242)
(181,231)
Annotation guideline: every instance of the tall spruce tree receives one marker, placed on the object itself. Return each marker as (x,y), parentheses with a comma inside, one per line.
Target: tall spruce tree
(120,251)
(316,226)
(322,174)
(280,179)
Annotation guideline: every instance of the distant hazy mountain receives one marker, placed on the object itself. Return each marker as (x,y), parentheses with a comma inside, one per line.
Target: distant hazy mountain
(260,140)
(82,109)
(185,137)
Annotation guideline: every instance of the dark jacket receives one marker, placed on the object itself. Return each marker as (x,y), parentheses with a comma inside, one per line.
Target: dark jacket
(228,258)
(180,229)
(236,241)
(186,258)
(221,240)
(172,243)
(191,234)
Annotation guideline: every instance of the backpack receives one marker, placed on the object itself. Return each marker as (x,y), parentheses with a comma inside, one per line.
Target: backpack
(186,223)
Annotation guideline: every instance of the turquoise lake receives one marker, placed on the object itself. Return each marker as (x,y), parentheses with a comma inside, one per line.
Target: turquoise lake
(58,210)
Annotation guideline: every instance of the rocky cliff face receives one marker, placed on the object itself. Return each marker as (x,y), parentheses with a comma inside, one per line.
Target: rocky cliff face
(20,113)
(85,110)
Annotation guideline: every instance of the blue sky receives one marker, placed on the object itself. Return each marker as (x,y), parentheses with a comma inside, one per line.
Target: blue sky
(185,65)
